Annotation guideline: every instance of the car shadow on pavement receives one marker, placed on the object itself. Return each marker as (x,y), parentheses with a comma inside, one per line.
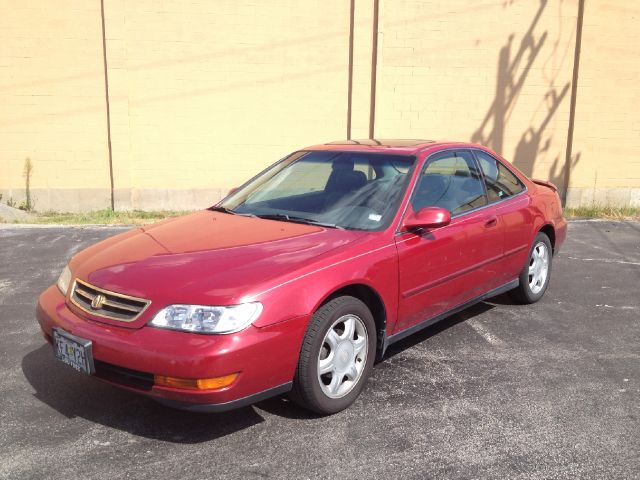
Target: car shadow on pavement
(438,327)
(281,406)
(504,299)
(74,395)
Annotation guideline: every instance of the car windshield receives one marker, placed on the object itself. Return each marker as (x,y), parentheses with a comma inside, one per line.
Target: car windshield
(352,190)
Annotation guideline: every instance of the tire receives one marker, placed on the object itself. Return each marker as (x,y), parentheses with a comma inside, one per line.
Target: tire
(538,268)
(340,338)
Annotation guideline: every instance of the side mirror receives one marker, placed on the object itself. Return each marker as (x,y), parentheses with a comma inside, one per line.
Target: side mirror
(429,217)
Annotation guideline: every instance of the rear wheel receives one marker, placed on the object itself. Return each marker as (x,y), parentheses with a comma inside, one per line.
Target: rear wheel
(337,356)
(534,277)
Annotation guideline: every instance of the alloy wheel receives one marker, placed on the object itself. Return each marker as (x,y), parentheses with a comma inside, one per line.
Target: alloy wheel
(538,267)
(343,356)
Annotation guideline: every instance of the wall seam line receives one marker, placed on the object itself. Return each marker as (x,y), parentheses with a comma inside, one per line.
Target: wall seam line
(573,102)
(350,73)
(374,68)
(106,92)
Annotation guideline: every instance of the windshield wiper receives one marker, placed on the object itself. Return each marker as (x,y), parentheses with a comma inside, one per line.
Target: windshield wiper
(223,210)
(277,216)
(288,218)
(229,211)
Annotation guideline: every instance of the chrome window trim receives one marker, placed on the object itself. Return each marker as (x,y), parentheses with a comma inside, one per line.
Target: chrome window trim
(458,215)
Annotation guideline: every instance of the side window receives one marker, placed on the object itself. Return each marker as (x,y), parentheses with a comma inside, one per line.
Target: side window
(501,183)
(452,181)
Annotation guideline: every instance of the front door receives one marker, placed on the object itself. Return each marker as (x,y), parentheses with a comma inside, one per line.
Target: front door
(444,267)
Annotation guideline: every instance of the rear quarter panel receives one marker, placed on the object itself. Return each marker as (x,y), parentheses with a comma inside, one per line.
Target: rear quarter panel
(548,204)
(545,206)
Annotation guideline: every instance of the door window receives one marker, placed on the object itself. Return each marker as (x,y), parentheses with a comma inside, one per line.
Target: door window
(450,180)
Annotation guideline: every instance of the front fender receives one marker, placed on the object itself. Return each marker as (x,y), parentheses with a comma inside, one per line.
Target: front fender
(302,294)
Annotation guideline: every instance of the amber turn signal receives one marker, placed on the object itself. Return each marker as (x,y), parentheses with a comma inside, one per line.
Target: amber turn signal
(215,383)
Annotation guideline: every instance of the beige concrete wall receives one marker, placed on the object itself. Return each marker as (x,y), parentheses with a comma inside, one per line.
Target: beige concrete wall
(493,72)
(206,95)
(52,103)
(202,95)
(606,142)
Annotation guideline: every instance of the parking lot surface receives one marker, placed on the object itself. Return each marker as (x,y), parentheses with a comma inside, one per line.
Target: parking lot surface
(543,391)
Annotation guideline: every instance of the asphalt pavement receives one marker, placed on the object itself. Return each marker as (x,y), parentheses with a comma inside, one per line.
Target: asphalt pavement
(504,391)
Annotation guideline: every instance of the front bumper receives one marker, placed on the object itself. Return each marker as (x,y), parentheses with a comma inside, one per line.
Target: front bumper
(129,358)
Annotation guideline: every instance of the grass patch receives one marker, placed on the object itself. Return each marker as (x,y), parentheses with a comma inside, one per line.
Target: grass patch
(608,213)
(103,217)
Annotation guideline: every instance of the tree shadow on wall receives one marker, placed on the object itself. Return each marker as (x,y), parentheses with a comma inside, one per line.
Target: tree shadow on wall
(513,70)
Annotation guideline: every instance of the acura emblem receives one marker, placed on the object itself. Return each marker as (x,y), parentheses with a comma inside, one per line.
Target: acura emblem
(98,301)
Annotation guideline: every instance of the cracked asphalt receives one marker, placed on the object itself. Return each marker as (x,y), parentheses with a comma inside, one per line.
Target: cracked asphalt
(543,391)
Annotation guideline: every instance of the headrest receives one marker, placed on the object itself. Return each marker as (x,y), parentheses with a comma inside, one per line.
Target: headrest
(343,164)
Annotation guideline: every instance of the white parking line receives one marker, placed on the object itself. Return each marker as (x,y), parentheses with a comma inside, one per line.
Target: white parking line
(603,249)
(5,287)
(484,333)
(622,307)
(604,260)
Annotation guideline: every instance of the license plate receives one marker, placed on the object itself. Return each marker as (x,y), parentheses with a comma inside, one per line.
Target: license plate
(74,351)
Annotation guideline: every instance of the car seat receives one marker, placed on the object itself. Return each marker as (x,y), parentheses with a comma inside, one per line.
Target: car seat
(343,180)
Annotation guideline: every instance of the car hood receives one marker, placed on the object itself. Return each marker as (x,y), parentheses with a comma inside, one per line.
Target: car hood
(205,258)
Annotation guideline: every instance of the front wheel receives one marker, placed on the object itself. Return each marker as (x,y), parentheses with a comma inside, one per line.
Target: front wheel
(534,277)
(337,356)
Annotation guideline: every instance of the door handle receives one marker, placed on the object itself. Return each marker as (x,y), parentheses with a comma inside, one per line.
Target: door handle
(491,222)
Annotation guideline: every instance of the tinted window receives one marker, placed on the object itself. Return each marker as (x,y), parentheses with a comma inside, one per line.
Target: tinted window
(452,181)
(501,183)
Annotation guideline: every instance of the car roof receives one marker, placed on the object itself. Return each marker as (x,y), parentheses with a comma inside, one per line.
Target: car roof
(393,146)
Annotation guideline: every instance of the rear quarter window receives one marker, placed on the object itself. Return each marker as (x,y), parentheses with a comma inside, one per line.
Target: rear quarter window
(500,182)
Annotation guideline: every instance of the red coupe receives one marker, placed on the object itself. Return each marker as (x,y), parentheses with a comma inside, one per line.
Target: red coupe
(299,279)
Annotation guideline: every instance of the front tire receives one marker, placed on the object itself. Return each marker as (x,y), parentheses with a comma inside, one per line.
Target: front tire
(337,356)
(534,277)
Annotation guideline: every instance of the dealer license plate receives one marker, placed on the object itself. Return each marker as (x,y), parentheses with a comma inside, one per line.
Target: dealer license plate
(74,351)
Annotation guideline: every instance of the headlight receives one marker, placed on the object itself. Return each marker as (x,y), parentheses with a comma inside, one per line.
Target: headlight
(64,280)
(204,319)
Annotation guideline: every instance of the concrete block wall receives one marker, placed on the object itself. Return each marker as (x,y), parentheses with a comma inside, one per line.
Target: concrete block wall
(206,95)
(606,142)
(495,73)
(52,104)
(202,95)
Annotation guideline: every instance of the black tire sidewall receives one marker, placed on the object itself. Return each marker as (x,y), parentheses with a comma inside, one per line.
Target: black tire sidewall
(308,386)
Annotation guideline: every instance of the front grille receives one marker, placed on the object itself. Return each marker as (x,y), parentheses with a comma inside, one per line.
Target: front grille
(104,303)
(124,376)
